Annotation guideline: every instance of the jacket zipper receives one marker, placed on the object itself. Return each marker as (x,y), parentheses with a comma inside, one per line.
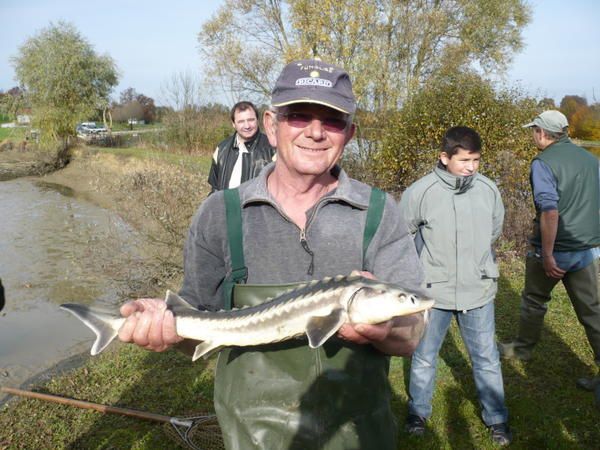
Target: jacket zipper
(307,249)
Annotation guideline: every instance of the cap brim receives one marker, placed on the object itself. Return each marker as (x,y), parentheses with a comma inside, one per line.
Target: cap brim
(310,100)
(529,125)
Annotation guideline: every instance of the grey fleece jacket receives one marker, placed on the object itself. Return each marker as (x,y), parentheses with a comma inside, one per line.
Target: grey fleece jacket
(462,218)
(272,247)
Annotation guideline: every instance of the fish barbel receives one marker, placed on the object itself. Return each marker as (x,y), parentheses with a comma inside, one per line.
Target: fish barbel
(317,309)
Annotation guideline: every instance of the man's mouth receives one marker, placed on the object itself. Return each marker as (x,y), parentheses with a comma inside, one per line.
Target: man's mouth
(310,149)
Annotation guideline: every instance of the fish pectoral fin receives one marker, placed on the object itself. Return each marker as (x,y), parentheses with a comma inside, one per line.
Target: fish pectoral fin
(205,349)
(176,303)
(321,328)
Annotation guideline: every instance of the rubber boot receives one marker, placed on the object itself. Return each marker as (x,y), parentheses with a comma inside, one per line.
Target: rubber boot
(530,330)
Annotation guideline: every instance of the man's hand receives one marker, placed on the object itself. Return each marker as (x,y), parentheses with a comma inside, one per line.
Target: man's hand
(149,324)
(398,337)
(551,269)
(548,228)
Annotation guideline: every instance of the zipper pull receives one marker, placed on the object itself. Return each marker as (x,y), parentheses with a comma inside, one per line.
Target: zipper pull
(307,249)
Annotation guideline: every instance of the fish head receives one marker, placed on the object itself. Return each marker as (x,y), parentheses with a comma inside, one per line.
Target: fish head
(378,302)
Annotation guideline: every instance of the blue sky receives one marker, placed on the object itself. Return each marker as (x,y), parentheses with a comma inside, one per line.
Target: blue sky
(152,40)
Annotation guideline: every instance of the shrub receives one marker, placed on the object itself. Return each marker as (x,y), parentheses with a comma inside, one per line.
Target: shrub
(411,138)
(195,130)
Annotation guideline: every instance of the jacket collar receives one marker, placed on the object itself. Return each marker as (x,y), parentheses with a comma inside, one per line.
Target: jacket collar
(452,182)
(346,191)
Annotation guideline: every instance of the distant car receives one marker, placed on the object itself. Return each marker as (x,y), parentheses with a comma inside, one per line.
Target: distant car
(87,128)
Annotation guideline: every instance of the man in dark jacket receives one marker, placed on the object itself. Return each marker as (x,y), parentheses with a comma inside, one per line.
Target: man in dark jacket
(565,183)
(1,296)
(241,156)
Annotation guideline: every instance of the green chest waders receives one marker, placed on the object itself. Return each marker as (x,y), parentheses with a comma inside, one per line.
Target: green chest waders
(289,396)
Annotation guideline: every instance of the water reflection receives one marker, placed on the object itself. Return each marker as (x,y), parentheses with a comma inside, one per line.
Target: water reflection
(55,247)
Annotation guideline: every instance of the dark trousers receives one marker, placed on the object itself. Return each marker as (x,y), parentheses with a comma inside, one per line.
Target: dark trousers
(582,288)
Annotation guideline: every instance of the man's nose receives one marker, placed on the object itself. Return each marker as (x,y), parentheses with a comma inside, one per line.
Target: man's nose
(315,129)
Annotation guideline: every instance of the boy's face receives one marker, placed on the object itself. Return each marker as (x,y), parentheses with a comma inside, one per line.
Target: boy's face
(463,163)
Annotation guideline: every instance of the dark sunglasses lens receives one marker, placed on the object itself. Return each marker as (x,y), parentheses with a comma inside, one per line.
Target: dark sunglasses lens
(302,120)
(335,125)
(298,120)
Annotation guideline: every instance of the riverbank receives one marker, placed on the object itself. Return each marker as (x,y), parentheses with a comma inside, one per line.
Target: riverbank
(87,174)
(20,162)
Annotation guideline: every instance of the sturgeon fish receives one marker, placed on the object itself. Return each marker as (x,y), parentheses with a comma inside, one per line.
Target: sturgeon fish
(317,309)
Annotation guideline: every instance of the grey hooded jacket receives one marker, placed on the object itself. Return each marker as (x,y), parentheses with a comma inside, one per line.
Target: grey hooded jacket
(459,219)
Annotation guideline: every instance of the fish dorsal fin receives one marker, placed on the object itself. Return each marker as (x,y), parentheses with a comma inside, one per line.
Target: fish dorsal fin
(321,328)
(178,304)
(301,288)
(355,275)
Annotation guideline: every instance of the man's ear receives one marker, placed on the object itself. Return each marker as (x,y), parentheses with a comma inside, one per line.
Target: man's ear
(270,127)
(350,134)
(444,158)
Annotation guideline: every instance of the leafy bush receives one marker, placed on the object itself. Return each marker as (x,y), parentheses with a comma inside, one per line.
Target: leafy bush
(411,138)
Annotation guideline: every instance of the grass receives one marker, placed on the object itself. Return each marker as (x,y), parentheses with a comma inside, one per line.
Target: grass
(194,162)
(122,126)
(547,411)
(14,134)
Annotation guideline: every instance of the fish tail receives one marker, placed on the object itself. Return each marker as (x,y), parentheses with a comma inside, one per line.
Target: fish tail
(105,325)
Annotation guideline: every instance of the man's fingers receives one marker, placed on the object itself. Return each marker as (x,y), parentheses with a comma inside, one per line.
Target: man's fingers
(127,329)
(170,335)
(142,329)
(374,333)
(155,331)
(129,308)
(364,333)
(348,333)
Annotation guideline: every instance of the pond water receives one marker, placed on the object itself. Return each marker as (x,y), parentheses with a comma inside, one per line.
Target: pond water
(54,248)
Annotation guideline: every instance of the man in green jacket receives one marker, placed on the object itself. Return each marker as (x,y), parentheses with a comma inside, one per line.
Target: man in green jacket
(458,214)
(565,184)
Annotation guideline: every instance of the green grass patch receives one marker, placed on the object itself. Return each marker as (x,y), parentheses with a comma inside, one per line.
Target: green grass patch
(13,134)
(546,409)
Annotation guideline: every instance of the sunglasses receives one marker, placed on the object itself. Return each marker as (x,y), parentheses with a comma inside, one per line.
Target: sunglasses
(302,120)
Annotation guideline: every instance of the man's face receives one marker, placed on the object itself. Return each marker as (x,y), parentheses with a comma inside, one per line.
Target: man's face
(538,137)
(463,163)
(245,123)
(309,138)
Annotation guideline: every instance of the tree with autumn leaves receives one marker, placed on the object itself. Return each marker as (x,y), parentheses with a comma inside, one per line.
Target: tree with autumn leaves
(584,119)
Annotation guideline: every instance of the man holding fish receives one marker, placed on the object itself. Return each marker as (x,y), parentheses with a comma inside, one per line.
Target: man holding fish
(301,219)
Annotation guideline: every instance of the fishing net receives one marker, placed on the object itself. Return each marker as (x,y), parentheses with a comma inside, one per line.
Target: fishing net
(199,432)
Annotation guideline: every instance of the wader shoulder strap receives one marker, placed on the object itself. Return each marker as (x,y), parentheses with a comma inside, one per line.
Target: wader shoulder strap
(374,214)
(233,214)
(239,271)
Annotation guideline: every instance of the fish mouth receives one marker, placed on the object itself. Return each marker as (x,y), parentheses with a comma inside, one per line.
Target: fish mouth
(424,305)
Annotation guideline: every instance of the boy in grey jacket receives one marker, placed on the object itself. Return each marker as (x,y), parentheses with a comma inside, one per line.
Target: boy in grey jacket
(458,214)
